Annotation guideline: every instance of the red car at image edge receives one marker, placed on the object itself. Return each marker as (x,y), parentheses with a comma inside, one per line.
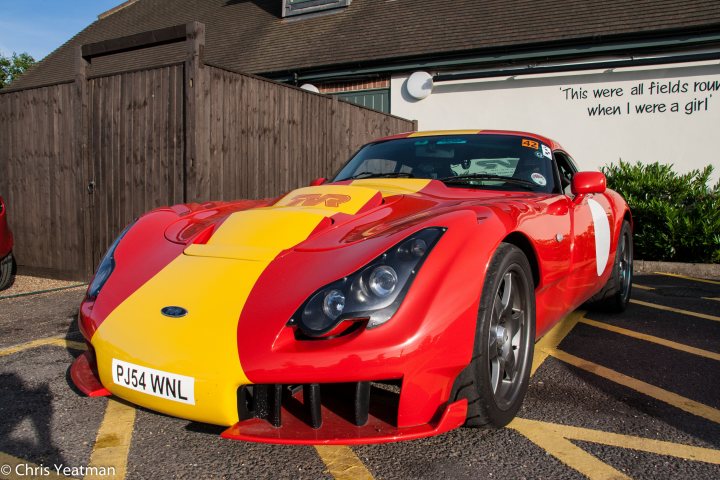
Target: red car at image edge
(7,262)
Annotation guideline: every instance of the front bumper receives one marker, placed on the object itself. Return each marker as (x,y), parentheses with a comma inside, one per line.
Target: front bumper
(336,428)
(302,414)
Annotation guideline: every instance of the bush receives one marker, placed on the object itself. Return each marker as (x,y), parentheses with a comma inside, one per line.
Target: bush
(676,217)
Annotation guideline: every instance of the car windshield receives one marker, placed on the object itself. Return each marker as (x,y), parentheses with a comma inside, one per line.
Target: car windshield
(502,162)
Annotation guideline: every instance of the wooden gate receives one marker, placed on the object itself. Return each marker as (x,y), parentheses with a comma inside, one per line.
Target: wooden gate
(135,146)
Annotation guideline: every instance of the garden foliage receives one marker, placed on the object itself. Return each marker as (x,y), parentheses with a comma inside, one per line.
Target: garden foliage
(676,216)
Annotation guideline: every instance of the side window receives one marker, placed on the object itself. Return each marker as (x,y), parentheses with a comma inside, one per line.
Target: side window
(566,169)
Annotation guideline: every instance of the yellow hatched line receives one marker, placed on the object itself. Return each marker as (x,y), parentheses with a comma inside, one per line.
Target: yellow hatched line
(650,338)
(705,316)
(55,341)
(557,446)
(114,437)
(659,447)
(553,338)
(717,299)
(694,279)
(342,462)
(642,287)
(565,451)
(555,439)
(678,401)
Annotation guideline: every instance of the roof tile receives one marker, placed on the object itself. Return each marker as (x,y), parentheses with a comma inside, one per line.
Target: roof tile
(250,36)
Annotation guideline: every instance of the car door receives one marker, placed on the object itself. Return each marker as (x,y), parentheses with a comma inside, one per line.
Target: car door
(591,220)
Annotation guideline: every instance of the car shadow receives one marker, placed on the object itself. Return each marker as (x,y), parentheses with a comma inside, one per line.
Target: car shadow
(20,405)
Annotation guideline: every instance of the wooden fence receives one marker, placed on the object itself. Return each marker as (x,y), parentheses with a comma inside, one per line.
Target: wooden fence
(78,161)
(41,177)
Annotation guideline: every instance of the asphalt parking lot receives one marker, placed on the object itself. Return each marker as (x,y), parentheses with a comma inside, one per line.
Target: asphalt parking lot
(635,395)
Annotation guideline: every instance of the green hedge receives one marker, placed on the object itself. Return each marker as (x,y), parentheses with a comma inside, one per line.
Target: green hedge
(676,217)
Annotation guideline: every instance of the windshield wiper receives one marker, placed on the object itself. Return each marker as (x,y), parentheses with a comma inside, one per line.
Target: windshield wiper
(381,175)
(463,179)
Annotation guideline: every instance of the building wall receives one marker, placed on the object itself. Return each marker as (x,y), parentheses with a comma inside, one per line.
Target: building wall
(599,116)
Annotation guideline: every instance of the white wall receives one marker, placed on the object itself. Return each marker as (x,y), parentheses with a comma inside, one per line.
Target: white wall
(543,104)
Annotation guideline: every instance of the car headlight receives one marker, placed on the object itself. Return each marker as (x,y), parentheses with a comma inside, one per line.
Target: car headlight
(106,267)
(373,293)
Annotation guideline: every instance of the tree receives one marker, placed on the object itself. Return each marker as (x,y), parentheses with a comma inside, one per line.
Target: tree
(14,66)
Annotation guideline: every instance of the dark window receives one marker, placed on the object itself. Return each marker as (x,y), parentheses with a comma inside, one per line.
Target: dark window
(376,99)
(566,169)
(298,7)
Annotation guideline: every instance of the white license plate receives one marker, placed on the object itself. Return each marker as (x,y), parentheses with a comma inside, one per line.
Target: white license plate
(154,382)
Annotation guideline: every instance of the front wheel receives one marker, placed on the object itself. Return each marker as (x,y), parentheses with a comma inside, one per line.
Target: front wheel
(497,378)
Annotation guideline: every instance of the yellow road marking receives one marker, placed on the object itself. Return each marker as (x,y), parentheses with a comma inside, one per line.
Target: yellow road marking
(717,299)
(659,447)
(22,469)
(112,444)
(55,341)
(342,463)
(678,401)
(694,279)
(564,450)
(706,316)
(555,439)
(553,338)
(642,287)
(650,338)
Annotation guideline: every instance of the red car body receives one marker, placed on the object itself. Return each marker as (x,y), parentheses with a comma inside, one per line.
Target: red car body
(6,237)
(422,348)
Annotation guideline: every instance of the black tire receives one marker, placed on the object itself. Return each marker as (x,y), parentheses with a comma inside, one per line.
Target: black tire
(615,295)
(494,390)
(7,271)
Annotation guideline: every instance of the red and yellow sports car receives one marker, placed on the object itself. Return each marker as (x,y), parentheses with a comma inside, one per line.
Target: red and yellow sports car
(400,299)
(7,262)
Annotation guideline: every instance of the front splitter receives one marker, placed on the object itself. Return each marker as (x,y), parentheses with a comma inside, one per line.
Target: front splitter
(86,378)
(336,430)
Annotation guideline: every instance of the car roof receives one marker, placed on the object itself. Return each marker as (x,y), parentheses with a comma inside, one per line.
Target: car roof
(427,133)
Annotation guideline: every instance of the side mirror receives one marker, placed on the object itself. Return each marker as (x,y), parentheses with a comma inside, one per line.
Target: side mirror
(584,183)
(318,181)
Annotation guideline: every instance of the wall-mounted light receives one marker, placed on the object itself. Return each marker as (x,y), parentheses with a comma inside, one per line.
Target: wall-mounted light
(419,85)
(310,88)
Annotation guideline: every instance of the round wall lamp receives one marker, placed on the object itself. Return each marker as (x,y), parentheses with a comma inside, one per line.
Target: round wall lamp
(310,88)
(419,85)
